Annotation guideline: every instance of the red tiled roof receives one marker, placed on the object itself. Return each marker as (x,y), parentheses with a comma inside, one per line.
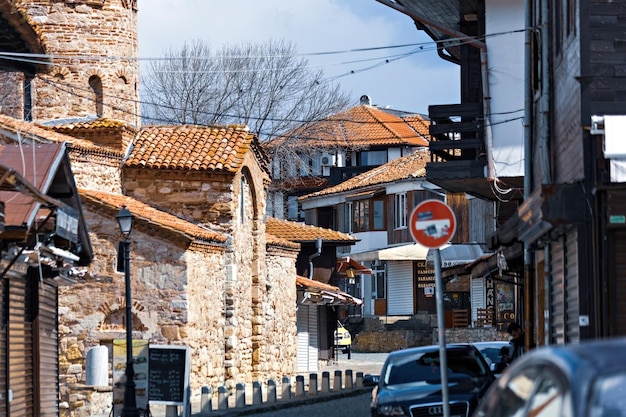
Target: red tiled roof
(152,215)
(359,126)
(45,134)
(419,124)
(298,232)
(410,166)
(194,148)
(95,124)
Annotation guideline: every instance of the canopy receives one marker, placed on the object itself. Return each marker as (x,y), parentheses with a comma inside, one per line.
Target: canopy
(410,252)
(319,293)
(347,266)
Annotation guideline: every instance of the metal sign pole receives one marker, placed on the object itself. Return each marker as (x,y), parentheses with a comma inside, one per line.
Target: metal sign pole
(443,357)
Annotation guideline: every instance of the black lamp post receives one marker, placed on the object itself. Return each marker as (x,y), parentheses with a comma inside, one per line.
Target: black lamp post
(125,220)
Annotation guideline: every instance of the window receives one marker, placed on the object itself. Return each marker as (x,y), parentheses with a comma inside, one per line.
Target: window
(378,216)
(399,211)
(346,224)
(373,158)
(368,215)
(361,215)
(293,208)
(98,97)
(378,281)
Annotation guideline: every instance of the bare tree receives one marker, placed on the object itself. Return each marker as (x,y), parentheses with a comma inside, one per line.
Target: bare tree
(268,87)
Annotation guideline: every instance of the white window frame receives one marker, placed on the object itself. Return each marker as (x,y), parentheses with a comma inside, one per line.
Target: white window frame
(400,211)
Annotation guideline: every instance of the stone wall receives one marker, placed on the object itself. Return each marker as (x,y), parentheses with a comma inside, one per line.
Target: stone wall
(386,334)
(86,29)
(96,170)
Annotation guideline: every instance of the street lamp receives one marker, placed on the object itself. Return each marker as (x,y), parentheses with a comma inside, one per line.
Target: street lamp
(125,221)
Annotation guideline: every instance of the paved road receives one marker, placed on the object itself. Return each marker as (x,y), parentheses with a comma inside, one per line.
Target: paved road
(352,406)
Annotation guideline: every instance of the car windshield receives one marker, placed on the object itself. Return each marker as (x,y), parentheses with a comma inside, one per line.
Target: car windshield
(493,352)
(424,367)
(609,396)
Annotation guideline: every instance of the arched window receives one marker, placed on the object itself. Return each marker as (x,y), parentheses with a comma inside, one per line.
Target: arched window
(96,85)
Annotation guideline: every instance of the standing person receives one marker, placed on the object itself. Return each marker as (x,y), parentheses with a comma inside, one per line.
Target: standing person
(517,342)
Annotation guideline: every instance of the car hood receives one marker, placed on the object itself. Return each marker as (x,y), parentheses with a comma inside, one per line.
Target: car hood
(457,391)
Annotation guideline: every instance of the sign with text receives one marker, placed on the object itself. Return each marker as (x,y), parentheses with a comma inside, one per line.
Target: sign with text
(169,374)
(432,224)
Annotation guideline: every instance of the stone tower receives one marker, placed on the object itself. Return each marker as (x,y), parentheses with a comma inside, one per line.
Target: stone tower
(88,66)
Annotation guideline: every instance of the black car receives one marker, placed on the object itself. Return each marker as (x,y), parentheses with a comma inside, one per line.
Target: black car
(410,382)
(578,380)
(496,353)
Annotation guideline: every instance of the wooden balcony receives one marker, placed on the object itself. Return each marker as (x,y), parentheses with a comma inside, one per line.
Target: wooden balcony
(458,157)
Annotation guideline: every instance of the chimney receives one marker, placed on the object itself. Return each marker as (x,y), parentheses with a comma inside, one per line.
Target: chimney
(366,100)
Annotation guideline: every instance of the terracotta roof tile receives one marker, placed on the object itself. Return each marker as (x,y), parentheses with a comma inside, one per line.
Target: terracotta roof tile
(194,148)
(359,126)
(419,124)
(410,166)
(46,134)
(94,124)
(152,215)
(277,241)
(298,232)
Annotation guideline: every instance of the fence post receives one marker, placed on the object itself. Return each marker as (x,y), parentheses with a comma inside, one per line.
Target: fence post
(222,398)
(257,393)
(299,386)
(325,381)
(240,395)
(271,391)
(359,379)
(349,381)
(206,402)
(337,385)
(313,384)
(286,392)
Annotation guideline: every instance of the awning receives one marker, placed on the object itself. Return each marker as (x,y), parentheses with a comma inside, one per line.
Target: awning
(319,293)
(348,265)
(457,254)
(411,252)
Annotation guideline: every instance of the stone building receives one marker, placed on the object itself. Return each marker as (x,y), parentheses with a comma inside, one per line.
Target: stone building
(86,63)
(205,273)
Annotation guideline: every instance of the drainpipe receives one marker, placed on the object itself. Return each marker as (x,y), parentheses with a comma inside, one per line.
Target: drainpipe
(484,69)
(318,245)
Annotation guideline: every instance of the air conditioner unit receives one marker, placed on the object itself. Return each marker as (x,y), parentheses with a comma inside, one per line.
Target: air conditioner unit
(327,160)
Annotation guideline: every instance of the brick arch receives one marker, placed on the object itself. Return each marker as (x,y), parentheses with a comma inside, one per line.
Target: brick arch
(20,31)
(60,72)
(256,194)
(115,315)
(122,75)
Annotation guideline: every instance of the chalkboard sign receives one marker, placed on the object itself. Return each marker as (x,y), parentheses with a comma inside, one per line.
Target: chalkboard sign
(168,374)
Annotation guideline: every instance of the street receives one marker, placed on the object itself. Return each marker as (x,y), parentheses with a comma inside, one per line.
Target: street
(352,406)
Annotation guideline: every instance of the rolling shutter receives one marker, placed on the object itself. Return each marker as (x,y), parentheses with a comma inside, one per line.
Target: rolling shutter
(48,359)
(400,288)
(20,349)
(307,338)
(4,308)
(477,296)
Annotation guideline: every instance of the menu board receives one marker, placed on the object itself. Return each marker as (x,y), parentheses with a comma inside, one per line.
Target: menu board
(168,374)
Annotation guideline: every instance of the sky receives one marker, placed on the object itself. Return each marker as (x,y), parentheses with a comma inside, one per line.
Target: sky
(368,36)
